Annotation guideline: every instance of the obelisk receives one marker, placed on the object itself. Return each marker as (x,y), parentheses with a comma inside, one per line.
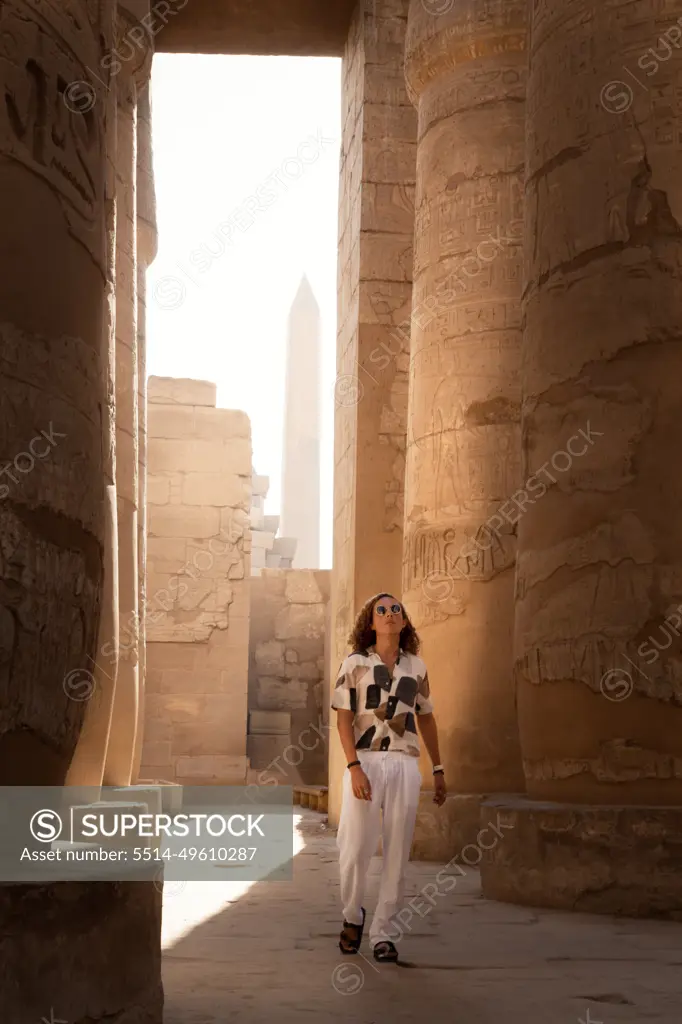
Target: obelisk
(300,515)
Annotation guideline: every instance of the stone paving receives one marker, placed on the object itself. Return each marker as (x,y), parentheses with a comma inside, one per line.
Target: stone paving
(270,954)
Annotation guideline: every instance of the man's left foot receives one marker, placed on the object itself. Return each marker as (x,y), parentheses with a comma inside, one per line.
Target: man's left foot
(385,952)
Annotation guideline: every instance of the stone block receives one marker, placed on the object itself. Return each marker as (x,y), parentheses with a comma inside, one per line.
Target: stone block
(156,730)
(170,421)
(158,490)
(212,558)
(183,521)
(306,650)
(221,423)
(302,588)
(187,707)
(274,694)
(291,657)
(230,706)
(234,525)
(386,84)
(270,658)
(175,656)
(215,489)
(274,581)
(171,794)
(388,303)
(271,523)
(231,657)
(585,858)
(257,519)
(194,682)
(386,258)
(323,578)
(167,771)
(272,560)
(389,124)
(307,621)
(308,670)
(269,723)
(263,750)
(158,753)
(149,795)
(153,679)
(180,391)
(170,455)
(260,485)
(240,609)
(285,546)
(441,832)
(262,539)
(211,769)
(209,737)
(177,627)
(388,208)
(165,556)
(257,560)
(237,570)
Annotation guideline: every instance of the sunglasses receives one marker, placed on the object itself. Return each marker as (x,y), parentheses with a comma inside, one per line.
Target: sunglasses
(381,609)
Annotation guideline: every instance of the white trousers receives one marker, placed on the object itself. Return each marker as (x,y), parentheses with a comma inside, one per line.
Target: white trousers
(396,781)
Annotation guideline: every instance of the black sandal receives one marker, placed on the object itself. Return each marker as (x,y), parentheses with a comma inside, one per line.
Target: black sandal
(386,953)
(352,941)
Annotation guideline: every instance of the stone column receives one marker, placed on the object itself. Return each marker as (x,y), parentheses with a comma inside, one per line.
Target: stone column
(98,684)
(52,294)
(147,243)
(375,292)
(133,46)
(466,73)
(599,588)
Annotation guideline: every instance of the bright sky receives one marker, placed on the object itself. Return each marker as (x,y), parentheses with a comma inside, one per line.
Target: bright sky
(233,135)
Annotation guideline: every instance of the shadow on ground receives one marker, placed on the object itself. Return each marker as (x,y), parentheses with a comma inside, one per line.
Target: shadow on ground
(270,954)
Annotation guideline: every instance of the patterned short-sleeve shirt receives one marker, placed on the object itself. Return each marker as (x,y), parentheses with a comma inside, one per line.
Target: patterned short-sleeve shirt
(384,704)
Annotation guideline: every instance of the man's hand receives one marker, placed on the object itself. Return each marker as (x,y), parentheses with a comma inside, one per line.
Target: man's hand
(362,788)
(439,790)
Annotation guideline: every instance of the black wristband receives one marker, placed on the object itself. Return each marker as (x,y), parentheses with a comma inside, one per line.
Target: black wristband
(352,764)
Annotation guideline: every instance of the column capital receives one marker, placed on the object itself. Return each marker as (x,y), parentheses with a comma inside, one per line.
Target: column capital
(442,36)
(134,40)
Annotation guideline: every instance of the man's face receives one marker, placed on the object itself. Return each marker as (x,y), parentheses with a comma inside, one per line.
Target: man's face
(387,617)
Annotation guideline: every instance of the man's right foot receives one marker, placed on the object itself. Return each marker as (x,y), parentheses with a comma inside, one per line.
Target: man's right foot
(351,936)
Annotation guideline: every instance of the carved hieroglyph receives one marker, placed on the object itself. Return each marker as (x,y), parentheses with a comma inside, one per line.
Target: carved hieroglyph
(466,74)
(51,119)
(600,556)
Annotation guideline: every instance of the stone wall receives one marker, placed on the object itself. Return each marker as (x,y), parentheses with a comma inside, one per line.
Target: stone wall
(287,679)
(268,550)
(198,548)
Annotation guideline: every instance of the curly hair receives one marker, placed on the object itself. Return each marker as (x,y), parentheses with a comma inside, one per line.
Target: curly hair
(364,636)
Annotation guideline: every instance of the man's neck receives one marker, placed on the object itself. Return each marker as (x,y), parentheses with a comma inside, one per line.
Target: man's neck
(388,648)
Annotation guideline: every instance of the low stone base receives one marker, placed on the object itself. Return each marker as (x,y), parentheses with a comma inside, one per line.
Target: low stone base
(602,860)
(442,832)
(81,951)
